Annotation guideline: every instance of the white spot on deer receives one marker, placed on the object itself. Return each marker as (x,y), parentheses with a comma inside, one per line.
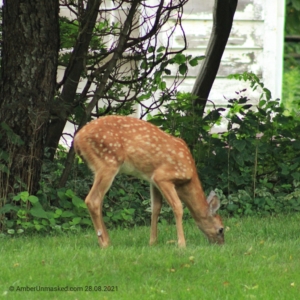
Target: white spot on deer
(169,159)
(181,154)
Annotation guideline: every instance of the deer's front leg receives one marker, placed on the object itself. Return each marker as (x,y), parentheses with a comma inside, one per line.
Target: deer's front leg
(94,201)
(169,192)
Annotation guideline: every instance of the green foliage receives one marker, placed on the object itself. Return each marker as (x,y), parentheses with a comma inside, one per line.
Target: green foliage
(34,213)
(292,27)
(255,164)
(291,75)
(291,91)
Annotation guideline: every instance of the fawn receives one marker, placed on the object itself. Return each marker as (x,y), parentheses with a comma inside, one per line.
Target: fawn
(119,144)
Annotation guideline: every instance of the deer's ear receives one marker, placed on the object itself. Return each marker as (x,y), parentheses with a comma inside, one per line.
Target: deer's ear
(213,202)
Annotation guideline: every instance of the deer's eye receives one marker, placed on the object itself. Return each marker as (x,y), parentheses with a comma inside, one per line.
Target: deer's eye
(221,231)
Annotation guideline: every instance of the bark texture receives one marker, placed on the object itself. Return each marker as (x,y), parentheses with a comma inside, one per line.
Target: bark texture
(222,23)
(27,87)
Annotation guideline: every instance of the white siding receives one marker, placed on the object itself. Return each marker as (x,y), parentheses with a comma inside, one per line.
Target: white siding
(255,45)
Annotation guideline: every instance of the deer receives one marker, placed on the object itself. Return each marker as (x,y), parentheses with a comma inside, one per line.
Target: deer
(121,144)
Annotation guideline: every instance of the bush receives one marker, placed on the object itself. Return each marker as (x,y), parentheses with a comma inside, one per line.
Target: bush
(255,164)
(254,167)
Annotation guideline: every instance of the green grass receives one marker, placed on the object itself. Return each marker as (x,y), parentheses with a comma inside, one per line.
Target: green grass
(260,260)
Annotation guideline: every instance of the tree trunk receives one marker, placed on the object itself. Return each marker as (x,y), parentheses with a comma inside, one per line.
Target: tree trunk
(72,76)
(222,22)
(27,87)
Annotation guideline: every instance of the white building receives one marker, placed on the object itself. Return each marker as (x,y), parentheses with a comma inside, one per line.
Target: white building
(255,45)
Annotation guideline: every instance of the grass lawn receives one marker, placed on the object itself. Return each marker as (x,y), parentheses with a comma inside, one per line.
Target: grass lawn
(260,260)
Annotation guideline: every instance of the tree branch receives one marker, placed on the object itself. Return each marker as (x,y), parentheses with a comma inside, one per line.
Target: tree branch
(222,23)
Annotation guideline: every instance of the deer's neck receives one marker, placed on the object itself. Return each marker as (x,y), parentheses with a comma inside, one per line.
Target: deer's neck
(193,196)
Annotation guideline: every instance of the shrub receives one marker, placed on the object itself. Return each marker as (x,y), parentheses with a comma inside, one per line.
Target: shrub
(254,166)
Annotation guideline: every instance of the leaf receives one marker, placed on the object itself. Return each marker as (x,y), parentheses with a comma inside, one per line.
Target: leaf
(45,222)
(58,212)
(161,49)
(151,49)
(296,145)
(243,100)
(24,196)
(194,62)
(77,201)
(167,71)
(130,211)
(239,159)
(76,221)
(67,214)
(61,195)
(33,199)
(162,85)
(232,207)
(38,212)
(183,69)
(239,145)
(179,58)
(296,175)
(7,208)
(247,106)
(262,103)
(69,193)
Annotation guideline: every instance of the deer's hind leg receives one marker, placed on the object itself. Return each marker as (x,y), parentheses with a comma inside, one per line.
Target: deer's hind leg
(156,204)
